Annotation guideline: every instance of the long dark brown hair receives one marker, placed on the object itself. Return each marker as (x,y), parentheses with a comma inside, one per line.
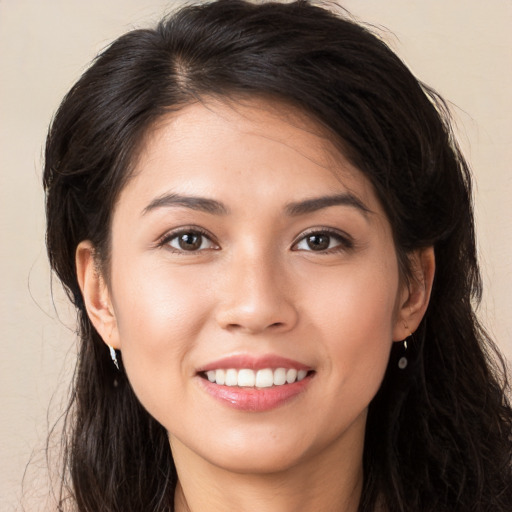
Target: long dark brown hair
(438,434)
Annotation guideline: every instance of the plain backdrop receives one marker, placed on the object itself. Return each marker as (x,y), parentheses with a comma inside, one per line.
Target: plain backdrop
(463,48)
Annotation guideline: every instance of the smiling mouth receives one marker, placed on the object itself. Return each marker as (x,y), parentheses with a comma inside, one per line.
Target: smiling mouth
(248,378)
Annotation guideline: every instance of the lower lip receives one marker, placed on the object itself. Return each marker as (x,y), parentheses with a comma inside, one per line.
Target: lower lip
(255,399)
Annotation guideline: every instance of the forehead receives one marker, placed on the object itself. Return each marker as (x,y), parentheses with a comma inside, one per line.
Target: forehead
(215,146)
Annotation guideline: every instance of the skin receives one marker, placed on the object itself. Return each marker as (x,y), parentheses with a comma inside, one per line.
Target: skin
(254,287)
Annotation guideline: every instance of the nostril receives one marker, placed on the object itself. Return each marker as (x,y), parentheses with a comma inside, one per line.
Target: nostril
(256,316)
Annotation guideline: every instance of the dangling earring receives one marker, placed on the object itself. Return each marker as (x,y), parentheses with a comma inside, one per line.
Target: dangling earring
(112,350)
(403,361)
(113,355)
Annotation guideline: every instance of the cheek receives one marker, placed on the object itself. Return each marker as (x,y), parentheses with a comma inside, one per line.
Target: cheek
(356,317)
(361,297)
(159,315)
(155,308)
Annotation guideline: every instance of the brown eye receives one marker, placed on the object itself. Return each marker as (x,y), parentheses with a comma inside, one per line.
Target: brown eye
(324,241)
(318,242)
(189,241)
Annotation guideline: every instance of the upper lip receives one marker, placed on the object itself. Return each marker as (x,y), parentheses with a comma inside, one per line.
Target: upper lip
(253,363)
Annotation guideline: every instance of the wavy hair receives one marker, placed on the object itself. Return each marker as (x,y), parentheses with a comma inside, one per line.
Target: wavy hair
(438,435)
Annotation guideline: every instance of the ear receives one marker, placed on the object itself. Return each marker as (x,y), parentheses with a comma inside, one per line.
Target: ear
(414,298)
(96,294)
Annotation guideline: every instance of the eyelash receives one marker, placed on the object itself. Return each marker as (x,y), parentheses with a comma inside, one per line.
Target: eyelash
(192,230)
(345,242)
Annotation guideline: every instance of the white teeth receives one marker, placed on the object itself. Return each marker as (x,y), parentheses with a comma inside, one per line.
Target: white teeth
(264,378)
(291,375)
(247,378)
(279,376)
(231,377)
(220,377)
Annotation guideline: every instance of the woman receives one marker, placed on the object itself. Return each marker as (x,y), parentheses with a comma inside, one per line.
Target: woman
(265,224)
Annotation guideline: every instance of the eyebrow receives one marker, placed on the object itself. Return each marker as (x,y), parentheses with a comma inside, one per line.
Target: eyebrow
(318,203)
(201,204)
(294,209)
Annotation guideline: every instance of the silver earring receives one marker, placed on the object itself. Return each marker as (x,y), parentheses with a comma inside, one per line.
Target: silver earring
(113,355)
(403,362)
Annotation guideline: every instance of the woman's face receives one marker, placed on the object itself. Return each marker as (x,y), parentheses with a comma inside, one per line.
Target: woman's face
(254,287)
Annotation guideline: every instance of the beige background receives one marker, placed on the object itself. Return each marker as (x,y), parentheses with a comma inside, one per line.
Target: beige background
(461,47)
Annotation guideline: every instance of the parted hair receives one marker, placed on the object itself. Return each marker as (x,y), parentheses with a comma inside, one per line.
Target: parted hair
(438,435)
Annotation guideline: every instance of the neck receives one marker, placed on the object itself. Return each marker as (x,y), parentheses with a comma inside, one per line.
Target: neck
(272,494)
(330,481)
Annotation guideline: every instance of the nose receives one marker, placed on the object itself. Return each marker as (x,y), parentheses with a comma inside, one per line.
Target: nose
(256,296)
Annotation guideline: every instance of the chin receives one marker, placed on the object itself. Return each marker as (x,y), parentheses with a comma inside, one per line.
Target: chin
(258,461)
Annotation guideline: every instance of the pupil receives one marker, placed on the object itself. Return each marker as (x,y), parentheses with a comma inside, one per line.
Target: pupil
(190,241)
(318,242)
